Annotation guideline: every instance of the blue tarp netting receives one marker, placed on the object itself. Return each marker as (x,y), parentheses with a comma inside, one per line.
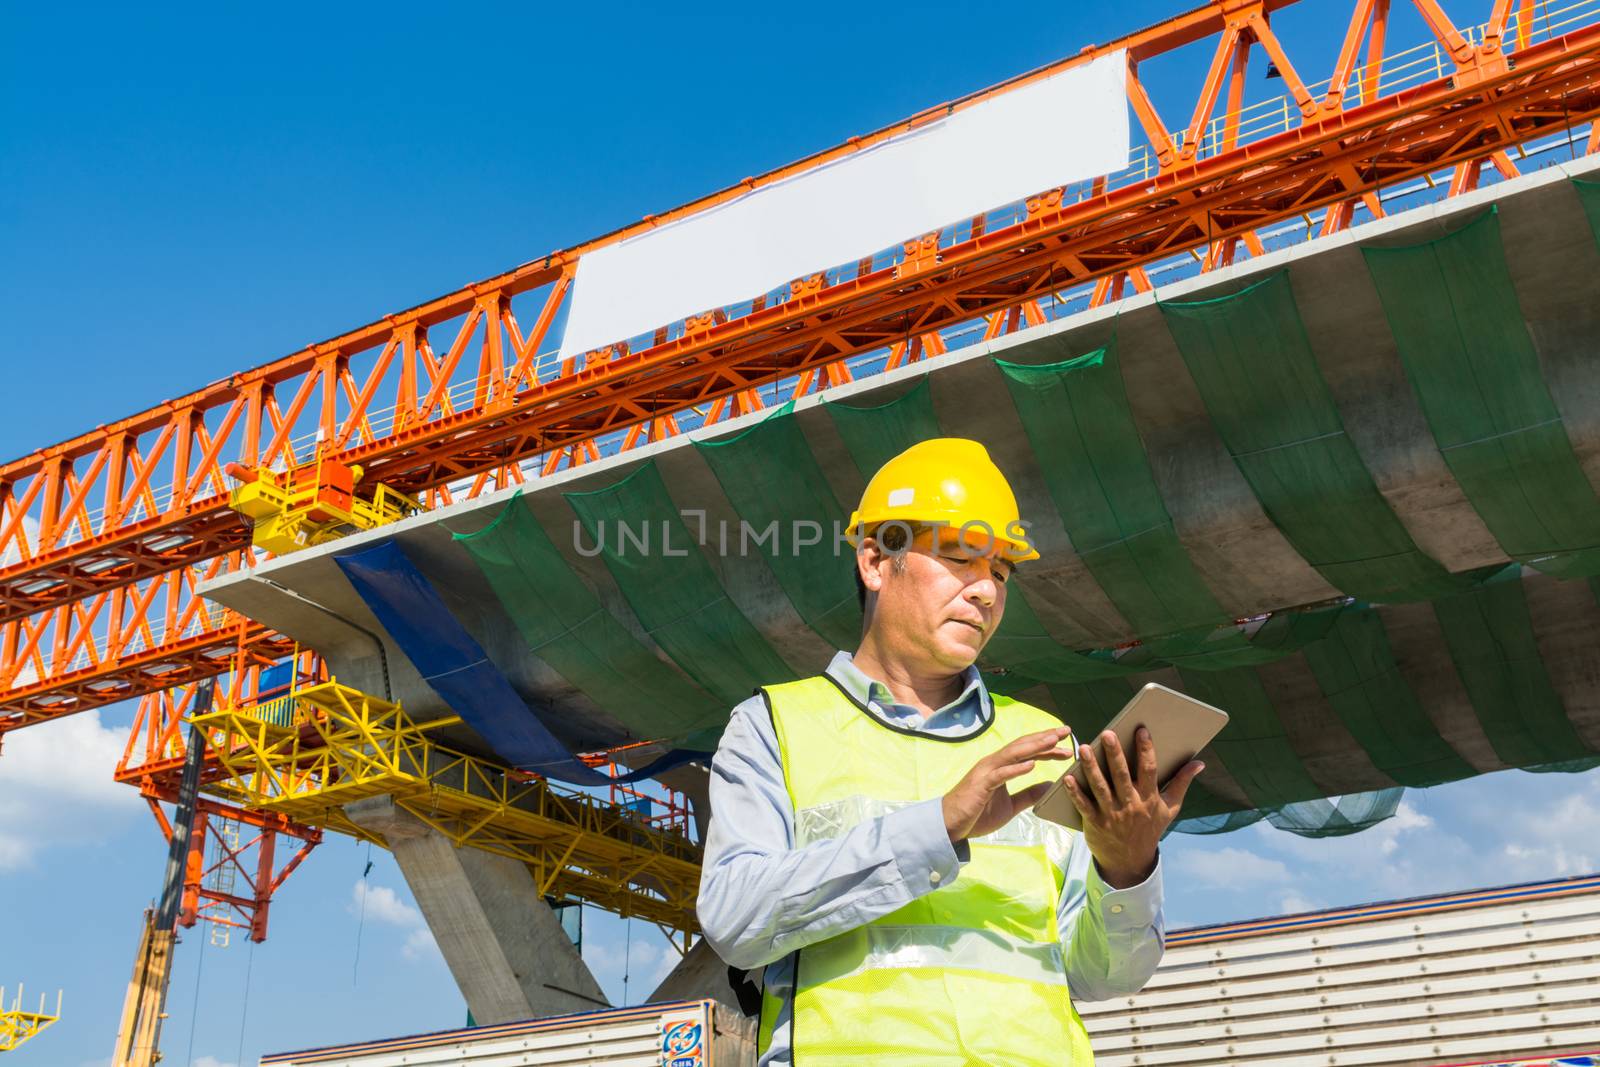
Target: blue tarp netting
(455,665)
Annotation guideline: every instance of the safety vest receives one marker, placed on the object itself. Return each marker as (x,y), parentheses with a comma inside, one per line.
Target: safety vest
(972,972)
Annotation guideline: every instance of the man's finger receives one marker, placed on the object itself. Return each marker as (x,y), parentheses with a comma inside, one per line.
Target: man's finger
(1097,780)
(1004,774)
(1178,788)
(1147,762)
(1025,799)
(1031,747)
(1117,763)
(1038,742)
(1086,806)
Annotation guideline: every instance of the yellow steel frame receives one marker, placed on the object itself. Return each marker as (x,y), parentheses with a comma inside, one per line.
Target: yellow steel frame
(309,754)
(17,1026)
(280,506)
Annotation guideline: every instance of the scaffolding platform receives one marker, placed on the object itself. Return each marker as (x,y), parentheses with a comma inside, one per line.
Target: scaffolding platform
(19,1025)
(309,754)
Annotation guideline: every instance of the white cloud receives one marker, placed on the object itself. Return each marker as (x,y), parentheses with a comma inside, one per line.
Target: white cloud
(1386,835)
(419,944)
(645,963)
(1491,830)
(1292,903)
(1575,816)
(1229,867)
(1535,863)
(1558,842)
(383,905)
(1366,847)
(212,1061)
(56,787)
(15,852)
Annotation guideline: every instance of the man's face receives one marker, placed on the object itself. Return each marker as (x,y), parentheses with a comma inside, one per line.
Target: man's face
(944,605)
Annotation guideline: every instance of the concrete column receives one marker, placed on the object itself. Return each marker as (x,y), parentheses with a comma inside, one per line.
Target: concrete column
(503,943)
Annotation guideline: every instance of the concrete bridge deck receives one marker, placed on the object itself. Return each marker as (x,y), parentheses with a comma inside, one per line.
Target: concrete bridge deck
(1245,561)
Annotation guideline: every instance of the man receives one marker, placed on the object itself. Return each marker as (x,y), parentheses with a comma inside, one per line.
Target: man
(871,844)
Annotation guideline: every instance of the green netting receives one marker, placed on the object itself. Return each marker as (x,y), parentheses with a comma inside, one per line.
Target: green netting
(1251,359)
(773,481)
(1088,706)
(1251,645)
(1224,822)
(565,625)
(1337,816)
(1460,331)
(1491,641)
(1021,644)
(1589,197)
(1356,671)
(1077,419)
(672,588)
(1253,746)
(1322,817)
(875,435)
(1208,812)
(1571,766)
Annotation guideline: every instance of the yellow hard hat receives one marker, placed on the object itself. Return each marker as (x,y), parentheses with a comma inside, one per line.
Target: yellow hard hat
(948,480)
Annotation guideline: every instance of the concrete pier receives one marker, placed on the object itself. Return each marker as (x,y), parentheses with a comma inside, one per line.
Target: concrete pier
(504,945)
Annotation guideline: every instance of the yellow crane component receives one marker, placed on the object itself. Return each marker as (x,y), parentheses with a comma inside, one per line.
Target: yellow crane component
(311,504)
(309,754)
(18,1025)
(144,1006)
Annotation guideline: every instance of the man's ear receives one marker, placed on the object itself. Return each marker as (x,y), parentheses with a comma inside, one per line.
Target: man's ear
(868,557)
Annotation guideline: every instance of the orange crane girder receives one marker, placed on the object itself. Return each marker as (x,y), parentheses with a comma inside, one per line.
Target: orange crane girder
(418,420)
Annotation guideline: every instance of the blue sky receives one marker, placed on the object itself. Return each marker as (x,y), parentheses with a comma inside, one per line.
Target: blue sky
(188,190)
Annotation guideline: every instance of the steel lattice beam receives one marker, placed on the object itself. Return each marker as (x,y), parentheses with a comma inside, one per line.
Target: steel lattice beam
(98,521)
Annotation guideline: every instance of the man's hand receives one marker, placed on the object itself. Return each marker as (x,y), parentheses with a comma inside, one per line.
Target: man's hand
(980,803)
(1123,820)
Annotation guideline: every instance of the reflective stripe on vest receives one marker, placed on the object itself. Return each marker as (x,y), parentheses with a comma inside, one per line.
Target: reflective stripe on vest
(934,946)
(829,820)
(969,972)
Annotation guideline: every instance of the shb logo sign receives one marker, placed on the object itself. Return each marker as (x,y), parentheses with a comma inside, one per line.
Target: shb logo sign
(683,1039)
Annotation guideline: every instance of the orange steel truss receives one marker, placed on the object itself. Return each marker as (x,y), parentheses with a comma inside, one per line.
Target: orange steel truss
(104,536)
(266,853)
(256,870)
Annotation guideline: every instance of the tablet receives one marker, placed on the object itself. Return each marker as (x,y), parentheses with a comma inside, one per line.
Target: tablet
(1180,726)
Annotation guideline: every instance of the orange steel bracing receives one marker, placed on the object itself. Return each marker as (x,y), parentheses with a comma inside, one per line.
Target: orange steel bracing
(274,846)
(259,869)
(153,756)
(89,527)
(122,642)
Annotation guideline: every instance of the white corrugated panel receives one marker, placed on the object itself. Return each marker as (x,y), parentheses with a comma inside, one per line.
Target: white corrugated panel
(638,1037)
(1499,980)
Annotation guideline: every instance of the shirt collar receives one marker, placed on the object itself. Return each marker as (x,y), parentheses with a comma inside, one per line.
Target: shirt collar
(971,707)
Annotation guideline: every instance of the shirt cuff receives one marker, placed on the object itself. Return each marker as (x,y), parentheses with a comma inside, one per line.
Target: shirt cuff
(1133,908)
(922,850)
